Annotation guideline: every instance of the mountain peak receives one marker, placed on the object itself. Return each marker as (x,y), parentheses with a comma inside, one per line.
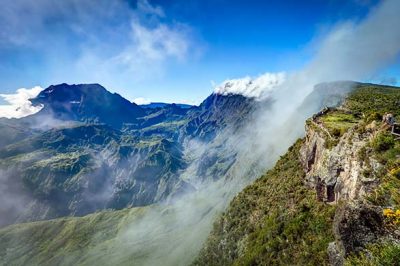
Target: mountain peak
(90,103)
(65,92)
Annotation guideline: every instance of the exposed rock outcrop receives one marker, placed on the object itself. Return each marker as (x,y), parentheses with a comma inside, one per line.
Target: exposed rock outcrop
(338,173)
(344,173)
(356,225)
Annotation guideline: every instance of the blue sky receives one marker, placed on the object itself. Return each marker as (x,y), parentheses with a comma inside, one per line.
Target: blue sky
(162,50)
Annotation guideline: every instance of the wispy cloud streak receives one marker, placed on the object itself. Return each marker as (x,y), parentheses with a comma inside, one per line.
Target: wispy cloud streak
(108,42)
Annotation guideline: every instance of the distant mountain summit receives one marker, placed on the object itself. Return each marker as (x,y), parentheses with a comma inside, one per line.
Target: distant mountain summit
(218,111)
(89,103)
(162,105)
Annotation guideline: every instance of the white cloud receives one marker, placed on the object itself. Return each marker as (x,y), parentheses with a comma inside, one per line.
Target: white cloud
(149,45)
(150,48)
(18,103)
(141,101)
(251,87)
(160,42)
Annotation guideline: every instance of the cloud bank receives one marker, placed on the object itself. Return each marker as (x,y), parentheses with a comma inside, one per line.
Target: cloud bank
(18,103)
(256,87)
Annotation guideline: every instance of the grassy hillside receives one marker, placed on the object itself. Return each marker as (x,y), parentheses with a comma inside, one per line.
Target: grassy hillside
(47,243)
(152,235)
(370,98)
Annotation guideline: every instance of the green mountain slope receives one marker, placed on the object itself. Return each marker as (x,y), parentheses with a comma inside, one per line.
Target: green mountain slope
(46,243)
(151,235)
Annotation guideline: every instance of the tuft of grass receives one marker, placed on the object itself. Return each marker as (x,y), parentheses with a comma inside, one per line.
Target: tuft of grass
(383,142)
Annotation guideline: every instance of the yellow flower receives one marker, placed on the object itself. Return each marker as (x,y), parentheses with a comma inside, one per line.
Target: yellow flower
(392,216)
(388,212)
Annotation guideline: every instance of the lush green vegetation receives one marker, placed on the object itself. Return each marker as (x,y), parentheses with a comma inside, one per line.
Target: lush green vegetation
(61,166)
(383,144)
(369,99)
(378,254)
(151,235)
(275,221)
(372,103)
(338,122)
(386,150)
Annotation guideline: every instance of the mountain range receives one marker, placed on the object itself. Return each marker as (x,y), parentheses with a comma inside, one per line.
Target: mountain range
(95,178)
(88,149)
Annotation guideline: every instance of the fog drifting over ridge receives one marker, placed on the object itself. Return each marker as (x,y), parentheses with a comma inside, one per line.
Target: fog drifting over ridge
(255,87)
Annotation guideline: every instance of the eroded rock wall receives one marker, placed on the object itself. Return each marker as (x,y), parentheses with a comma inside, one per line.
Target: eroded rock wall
(338,172)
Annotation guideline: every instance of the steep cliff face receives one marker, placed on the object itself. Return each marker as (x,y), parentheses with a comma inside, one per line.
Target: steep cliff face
(338,170)
(337,173)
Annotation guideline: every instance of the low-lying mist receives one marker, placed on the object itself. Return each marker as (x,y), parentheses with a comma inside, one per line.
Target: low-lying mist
(172,232)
